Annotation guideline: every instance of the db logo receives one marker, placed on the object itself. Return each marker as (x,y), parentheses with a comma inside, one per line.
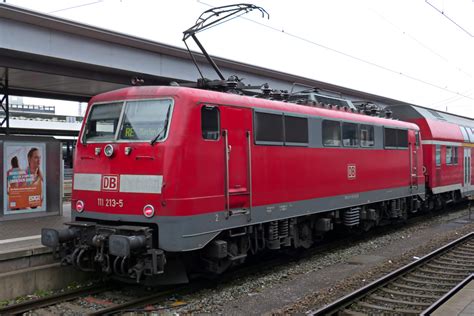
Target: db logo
(110,183)
(351,172)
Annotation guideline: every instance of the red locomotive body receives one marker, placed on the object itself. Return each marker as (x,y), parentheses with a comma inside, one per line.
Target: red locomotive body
(447,142)
(164,171)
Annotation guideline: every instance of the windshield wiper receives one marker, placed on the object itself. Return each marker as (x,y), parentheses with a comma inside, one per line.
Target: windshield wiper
(161,133)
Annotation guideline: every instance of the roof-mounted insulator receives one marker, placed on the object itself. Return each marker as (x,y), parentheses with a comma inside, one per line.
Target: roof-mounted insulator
(266,89)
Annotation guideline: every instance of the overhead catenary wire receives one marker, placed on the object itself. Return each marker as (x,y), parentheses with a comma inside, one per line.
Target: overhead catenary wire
(359,59)
(450,19)
(453,98)
(420,43)
(77,6)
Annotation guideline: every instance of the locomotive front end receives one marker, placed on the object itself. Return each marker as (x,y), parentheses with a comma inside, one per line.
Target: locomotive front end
(117,190)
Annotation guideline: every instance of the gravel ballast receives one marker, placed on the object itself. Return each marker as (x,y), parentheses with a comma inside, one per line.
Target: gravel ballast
(324,277)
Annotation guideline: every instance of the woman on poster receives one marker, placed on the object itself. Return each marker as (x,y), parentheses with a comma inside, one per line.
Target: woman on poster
(34,178)
(33,170)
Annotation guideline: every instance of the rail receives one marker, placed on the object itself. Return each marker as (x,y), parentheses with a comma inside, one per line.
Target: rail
(378,304)
(447,296)
(24,307)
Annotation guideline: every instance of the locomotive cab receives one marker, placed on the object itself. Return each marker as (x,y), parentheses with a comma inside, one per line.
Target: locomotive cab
(117,186)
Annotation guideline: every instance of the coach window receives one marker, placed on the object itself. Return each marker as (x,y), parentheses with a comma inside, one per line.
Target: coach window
(454,153)
(268,128)
(464,133)
(438,155)
(210,122)
(449,155)
(350,137)
(296,130)
(470,134)
(367,138)
(331,133)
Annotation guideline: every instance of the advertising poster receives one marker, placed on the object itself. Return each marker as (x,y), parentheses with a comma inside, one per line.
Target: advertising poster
(24,172)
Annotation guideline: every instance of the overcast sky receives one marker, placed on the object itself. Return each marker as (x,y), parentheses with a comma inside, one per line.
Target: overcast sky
(412,50)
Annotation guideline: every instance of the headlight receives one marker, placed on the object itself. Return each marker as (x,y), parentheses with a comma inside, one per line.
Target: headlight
(109,150)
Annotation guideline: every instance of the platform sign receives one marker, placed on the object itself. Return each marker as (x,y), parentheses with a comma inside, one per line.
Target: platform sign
(24,180)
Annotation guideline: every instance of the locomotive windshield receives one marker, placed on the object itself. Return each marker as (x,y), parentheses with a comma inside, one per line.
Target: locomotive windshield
(141,120)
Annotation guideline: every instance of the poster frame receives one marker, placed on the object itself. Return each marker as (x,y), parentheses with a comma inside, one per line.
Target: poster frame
(6,165)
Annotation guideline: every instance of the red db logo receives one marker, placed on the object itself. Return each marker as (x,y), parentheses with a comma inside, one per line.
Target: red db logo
(351,172)
(110,183)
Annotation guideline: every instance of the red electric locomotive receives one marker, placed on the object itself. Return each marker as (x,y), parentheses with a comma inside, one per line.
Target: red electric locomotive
(169,180)
(175,178)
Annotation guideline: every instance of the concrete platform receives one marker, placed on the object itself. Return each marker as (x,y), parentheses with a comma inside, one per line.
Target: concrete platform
(26,233)
(459,304)
(25,265)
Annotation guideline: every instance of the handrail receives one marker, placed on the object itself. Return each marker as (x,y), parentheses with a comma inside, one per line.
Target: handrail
(249,173)
(226,178)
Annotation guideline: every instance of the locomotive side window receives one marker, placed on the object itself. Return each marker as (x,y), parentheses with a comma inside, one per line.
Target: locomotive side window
(268,127)
(296,130)
(438,155)
(145,120)
(367,138)
(210,122)
(103,121)
(455,155)
(402,138)
(331,133)
(395,138)
(350,136)
(390,137)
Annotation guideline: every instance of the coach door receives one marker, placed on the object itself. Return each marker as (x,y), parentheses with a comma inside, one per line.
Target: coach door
(467,169)
(236,125)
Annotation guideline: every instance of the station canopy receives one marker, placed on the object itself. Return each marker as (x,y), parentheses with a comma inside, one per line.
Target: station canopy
(50,57)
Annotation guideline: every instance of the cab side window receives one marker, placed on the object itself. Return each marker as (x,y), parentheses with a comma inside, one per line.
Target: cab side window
(210,122)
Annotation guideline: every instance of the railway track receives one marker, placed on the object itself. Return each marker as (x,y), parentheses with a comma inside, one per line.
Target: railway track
(74,297)
(26,306)
(413,288)
(127,303)
(160,296)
